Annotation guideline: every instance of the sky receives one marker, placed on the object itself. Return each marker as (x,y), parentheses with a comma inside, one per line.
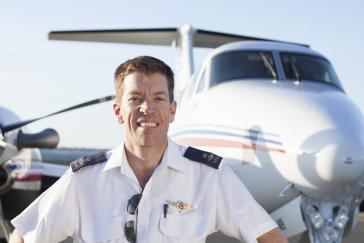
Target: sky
(38,76)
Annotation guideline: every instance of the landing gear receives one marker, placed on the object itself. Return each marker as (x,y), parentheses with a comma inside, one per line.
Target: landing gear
(325,221)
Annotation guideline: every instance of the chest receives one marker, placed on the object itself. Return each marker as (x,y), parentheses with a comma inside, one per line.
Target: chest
(173,205)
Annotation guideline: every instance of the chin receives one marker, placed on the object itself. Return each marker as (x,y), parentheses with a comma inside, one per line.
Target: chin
(152,142)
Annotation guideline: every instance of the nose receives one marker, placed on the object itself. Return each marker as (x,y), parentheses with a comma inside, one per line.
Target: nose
(146,107)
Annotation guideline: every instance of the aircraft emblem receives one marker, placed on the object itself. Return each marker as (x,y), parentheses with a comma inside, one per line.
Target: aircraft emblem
(181,206)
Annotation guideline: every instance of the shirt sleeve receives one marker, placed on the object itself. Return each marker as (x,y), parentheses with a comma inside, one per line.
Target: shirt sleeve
(52,217)
(237,213)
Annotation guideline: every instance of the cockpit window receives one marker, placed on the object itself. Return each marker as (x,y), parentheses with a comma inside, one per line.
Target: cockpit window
(306,67)
(242,65)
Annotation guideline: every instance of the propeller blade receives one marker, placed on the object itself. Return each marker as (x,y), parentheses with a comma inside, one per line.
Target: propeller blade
(16,125)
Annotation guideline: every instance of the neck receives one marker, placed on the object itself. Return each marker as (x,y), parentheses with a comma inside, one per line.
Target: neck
(144,160)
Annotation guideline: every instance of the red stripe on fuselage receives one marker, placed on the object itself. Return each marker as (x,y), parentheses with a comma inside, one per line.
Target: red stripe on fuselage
(35,177)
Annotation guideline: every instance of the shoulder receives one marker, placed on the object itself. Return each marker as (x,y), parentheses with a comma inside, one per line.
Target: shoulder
(88,160)
(204,157)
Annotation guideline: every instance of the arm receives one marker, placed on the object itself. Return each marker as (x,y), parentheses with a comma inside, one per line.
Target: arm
(16,237)
(239,215)
(274,235)
(52,216)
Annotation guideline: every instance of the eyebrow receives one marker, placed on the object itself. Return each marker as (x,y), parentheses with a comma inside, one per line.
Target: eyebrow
(140,93)
(134,93)
(161,93)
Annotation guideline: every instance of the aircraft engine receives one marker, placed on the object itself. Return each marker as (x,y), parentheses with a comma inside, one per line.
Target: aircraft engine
(17,148)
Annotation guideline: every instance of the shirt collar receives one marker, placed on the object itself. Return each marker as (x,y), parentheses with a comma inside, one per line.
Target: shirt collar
(114,157)
(172,158)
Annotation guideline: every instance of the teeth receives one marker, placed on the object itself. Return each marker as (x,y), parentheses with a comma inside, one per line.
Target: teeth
(148,124)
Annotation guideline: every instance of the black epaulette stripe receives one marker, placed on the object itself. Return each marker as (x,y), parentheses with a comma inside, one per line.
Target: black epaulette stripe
(203,157)
(88,160)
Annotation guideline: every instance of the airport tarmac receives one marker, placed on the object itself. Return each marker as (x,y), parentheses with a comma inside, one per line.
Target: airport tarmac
(357,236)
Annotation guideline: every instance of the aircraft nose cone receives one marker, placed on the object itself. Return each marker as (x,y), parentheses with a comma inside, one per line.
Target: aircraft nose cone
(332,155)
(345,163)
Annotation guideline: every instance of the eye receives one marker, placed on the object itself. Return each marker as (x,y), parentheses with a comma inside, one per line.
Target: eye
(160,98)
(134,99)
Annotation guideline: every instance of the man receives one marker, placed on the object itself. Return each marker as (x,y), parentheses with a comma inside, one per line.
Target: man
(149,189)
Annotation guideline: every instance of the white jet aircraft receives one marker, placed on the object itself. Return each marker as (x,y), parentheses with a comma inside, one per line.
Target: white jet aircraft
(278,114)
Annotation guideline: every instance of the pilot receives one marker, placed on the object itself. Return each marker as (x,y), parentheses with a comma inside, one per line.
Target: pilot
(148,189)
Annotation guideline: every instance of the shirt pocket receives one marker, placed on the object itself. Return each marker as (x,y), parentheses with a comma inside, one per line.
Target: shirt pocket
(109,230)
(183,227)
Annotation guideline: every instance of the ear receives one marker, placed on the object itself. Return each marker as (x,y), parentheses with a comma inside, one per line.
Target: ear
(117,112)
(173,108)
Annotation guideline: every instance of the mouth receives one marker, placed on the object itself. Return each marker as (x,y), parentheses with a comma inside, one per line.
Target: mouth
(147,124)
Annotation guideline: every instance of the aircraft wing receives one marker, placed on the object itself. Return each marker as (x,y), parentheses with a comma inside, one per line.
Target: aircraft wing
(49,167)
(64,156)
(56,161)
(153,36)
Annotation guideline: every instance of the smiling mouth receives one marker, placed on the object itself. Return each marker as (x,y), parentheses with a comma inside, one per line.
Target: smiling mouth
(147,124)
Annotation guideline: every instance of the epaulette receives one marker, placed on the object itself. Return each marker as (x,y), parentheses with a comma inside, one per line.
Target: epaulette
(88,160)
(203,157)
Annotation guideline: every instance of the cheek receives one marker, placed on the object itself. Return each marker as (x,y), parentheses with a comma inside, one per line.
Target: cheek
(124,110)
(121,116)
(128,114)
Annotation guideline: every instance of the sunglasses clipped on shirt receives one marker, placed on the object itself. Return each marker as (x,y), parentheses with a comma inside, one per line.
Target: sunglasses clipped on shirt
(130,225)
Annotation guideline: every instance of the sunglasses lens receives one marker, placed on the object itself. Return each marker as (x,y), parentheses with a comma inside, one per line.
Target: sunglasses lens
(133,203)
(129,231)
(129,228)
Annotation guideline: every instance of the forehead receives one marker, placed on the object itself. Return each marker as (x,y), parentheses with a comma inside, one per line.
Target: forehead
(141,82)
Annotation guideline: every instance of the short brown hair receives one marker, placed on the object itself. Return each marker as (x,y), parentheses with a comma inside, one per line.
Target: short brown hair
(146,65)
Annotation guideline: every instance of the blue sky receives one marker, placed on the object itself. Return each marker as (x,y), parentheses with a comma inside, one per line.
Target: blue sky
(38,76)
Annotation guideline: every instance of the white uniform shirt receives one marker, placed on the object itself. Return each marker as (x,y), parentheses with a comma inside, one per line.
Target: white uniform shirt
(90,205)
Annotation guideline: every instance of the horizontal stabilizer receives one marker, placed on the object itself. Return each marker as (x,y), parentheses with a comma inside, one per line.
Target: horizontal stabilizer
(160,36)
(132,36)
